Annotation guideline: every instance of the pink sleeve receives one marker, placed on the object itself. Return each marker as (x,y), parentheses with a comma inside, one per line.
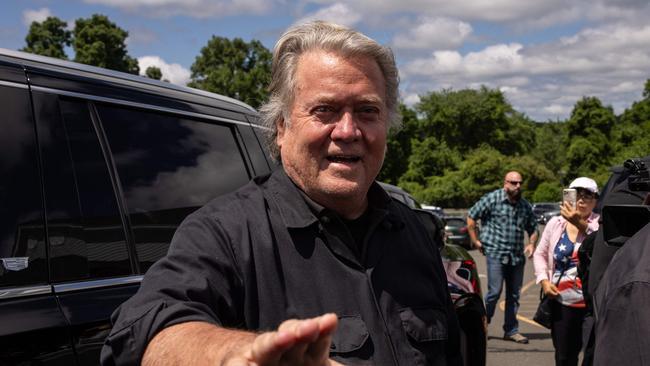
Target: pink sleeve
(541,255)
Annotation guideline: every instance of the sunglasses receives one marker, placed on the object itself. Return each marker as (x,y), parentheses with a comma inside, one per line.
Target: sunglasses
(515,182)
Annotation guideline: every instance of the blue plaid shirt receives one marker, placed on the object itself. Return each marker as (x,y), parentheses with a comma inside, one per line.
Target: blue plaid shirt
(503,225)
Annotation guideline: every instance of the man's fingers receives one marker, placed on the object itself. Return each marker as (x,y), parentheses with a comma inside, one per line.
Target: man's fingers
(327,323)
(319,350)
(269,347)
(305,332)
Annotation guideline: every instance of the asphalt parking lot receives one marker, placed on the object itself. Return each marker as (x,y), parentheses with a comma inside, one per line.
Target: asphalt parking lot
(539,352)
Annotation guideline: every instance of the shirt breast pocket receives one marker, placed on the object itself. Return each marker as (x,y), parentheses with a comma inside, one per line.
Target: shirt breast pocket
(427,331)
(350,342)
(501,215)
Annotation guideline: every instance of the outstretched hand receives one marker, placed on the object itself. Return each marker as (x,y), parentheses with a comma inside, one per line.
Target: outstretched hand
(296,342)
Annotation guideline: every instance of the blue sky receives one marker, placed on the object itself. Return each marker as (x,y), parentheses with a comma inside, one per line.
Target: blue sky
(543,54)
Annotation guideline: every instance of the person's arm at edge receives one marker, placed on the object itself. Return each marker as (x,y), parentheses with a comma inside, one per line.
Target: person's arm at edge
(540,257)
(194,343)
(471,230)
(201,343)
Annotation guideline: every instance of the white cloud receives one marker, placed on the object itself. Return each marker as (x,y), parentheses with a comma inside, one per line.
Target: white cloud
(39,15)
(338,13)
(433,33)
(488,10)
(610,62)
(411,99)
(175,73)
(194,8)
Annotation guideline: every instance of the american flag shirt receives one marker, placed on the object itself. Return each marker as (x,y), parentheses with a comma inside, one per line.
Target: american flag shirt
(565,257)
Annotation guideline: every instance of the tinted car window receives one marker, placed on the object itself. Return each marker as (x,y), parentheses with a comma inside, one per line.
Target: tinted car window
(22,246)
(168,166)
(255,152)
(87,237)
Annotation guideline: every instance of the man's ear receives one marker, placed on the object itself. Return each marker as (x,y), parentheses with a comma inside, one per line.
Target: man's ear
(281,126)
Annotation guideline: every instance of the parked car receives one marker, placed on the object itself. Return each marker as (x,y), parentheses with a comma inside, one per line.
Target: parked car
(544,211)
(456,231)
(98,169)
(434,209)
(462,281)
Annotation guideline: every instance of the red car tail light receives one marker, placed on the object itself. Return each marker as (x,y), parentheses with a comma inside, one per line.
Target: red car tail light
(471,266)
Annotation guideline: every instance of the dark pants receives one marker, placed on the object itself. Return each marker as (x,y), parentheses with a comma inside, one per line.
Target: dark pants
(566,331)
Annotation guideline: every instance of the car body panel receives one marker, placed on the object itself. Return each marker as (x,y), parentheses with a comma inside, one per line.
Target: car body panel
(62,316)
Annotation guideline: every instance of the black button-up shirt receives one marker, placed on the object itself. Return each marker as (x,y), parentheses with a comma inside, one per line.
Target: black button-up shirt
(266,253)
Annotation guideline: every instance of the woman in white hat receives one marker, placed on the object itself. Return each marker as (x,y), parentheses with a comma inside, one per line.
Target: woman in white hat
(556,260)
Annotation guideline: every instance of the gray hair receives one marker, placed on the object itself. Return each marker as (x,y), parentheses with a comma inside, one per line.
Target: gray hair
(320,35)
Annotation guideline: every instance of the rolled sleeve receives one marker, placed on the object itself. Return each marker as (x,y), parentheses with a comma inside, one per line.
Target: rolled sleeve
(479,209)
(196,281)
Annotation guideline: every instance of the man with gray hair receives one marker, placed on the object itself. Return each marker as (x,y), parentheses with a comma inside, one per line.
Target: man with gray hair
(313,264)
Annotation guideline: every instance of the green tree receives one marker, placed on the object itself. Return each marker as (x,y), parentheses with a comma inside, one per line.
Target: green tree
(589,115)
(48,38)
(548,192)
(639,112)
(429,157)
(153,72)
(532,172)
(468,118)
(99,42)
(481,171)
(550,147)
(631,136)
(399,147)
(589,128)
(238,69)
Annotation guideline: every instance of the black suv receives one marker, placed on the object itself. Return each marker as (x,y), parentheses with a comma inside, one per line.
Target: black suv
(97,170)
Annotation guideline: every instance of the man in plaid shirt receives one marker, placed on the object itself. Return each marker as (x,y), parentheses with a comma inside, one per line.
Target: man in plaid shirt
(504,216)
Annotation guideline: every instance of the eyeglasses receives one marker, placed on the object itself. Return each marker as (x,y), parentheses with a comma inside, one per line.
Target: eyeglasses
(585,196)
(515,182)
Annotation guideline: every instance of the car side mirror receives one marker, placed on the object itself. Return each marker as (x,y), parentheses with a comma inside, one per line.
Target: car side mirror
(434,226)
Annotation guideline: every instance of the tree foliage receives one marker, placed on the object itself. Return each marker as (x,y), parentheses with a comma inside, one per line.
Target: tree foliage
(468,118)
(399,147)
(153,72)
(459,145)
(548,192)
(235,68)
(48,38)
(99,42)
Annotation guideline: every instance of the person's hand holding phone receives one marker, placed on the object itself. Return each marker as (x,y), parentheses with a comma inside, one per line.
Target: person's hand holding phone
(570,213)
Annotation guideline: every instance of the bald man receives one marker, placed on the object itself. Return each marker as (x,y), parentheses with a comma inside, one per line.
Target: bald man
(504,217)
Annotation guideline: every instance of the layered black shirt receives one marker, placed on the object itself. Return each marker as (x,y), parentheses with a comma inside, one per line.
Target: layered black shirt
(267,253)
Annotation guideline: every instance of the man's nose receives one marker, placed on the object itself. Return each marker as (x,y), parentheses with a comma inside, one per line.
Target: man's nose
(347,128)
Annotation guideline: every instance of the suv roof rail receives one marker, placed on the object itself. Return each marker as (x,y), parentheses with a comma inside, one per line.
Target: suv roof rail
(117,74)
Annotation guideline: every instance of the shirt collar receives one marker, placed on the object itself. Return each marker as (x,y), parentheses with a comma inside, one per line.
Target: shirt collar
(298,210)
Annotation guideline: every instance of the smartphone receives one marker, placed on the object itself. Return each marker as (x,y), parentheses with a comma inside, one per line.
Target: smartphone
(570,195)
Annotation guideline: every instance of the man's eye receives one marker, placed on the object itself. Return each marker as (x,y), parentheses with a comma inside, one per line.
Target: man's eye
(369,110)
(323,109)
(368,113)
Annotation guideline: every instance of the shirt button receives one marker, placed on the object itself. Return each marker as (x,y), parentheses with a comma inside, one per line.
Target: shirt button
(325,220)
